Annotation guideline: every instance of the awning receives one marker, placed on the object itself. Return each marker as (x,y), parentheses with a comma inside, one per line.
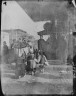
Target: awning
(44,32)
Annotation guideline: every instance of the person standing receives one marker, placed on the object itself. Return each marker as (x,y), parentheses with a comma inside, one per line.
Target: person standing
(24,57)
(5,52)
(23,65)
(74,60)
(74,73)
(74,65)
(28,66)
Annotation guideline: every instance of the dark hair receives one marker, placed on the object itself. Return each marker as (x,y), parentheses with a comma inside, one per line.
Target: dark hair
(41,53)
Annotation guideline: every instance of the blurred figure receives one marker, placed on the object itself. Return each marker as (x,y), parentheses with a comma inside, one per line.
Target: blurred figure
(31,49)
(24,57)
(5,48)
(69,60)
(12,45)
(28,66)
(74,60)
(26,49)
(23,65)
(74,65)
(36,53)
(74,73)
(5,52)
(33,64)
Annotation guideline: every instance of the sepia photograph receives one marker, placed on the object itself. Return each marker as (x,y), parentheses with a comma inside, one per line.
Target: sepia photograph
(38,47)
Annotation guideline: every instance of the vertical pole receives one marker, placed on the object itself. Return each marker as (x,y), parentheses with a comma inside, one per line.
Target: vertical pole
(69,36)
(56,33)
(56,27)
(16,36)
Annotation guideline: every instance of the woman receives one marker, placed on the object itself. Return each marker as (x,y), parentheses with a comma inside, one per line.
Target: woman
(5,52)
(42,61)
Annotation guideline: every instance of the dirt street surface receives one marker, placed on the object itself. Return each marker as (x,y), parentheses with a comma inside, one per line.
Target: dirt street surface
(56,79)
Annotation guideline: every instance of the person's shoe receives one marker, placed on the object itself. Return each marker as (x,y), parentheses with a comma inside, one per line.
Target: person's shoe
(32,73)
(43,70)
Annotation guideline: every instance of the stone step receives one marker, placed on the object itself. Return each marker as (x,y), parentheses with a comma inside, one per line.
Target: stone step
(55,62)
(58,68)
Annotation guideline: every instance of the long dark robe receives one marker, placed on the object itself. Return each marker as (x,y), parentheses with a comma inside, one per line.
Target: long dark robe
(74,60)
(28,67)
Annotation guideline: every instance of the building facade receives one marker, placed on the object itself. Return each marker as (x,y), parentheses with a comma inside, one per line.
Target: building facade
(10,35)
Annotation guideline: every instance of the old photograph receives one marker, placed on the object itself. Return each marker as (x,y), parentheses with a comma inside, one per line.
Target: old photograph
(38,46)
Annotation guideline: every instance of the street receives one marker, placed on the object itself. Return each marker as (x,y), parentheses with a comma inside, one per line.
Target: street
(56,79)
(36,35)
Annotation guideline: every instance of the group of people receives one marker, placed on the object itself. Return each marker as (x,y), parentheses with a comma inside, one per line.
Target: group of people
(34,61)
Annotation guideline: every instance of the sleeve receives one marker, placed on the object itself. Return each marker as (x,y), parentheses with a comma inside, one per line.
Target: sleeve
(36,60)
(39,58)
(74,59)
(45,59)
